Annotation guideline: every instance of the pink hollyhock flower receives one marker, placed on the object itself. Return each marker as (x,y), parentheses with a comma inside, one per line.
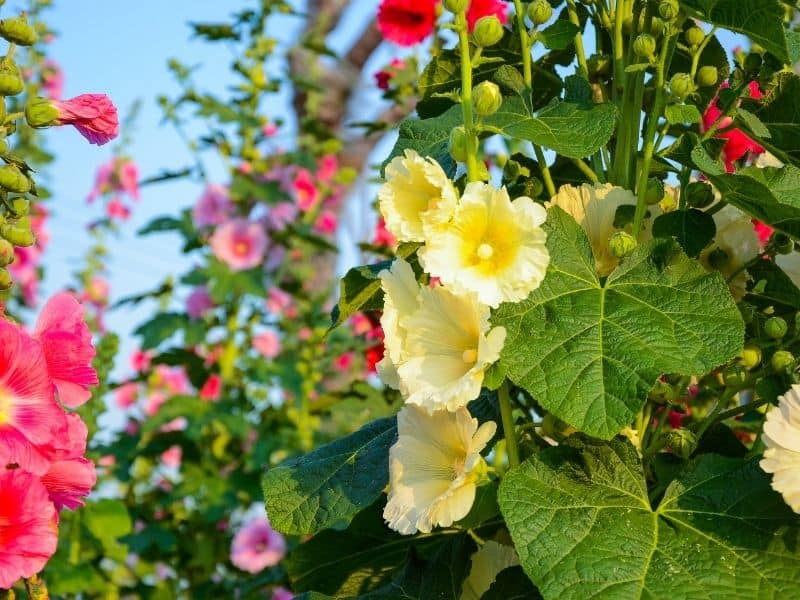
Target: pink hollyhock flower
(305,191)
(327,168)
(140,360)
(382,235)
(116,209)
(211,388)
(172,456)
(269,130)
(361,324)
(67,345)
(281,593)
(407,22)
(71,476)
(30,418)
(28,529)
(763,231)
(257,546)
(214,207)
(128,174)
(98,291)
(344,361)
(737,144)
(278,301)
(326,223)
(126,395)
(240,244)
(93,115)
(268,344)
(245,167)
(52,80)
(484,8)
(173,379)
(176,424)
(281,215)
(199,302)
(24,270)
(304,334)
(153,403)
(120,174)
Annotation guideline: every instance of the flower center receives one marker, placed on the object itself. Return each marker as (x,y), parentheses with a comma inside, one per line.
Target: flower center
(469,356)
(241,248)
(5,406)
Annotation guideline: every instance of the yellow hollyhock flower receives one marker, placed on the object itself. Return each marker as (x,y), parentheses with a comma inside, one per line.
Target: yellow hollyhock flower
(593,207)
(782,439)
(487,562)
(401,298)
(493,247)
(434,468)
(416,197)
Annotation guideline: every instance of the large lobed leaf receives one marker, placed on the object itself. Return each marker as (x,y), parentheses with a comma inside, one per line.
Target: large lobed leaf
(583,526)
(589,351)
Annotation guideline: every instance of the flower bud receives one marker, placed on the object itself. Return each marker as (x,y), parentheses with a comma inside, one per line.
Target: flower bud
(486,98)
(39,112)
(6,252)
(20,207)
(750,357)
(682,441)
(707,76)
(657,27)
(456,6)
(655,191)
(782,243)
(512,170)
(13,180)
(748,312)
(539,11)
(776,328)
(694,36)
(5,279)
(681,85)
(699,194)
(458,144)
(645,46)
(11,83)
(782,361)
(621,244)
(18,235)
(18,30)
(488,31)
(752,64)
(669,9)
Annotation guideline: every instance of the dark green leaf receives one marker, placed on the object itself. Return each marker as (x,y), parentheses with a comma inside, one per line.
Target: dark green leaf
(774,286)
(429,137)
(693,229)
(512,584)
(779,112)
(160,328)
(559,36)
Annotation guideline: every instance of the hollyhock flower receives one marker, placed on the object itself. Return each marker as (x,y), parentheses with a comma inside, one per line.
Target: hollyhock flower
(344,361)
(305,191)
(140,360)
(417,198)
(487,562)
(782,440)
(763,231)
(594,208)
(71,476)
(67,345)
(257,546)
(173,379)
(304,334)
(116,209)
(199,302)
(153,403)
(278,301)
(126,395)
(120,174)
(360,324)
(268,344)
(401,300)
(434,468)
(269,130)
(93,115)
(52,80)
(176,424)
(327,167)
(30,418)
(24,270)
(97,291)
(494,247)
(171,457)
(281,593)
(211,388)
(737,144)
(484,8)
(326,223)
(281,215)
(407,22)
(28,530)
(372,356)
(739,242)
(384,76)
(240,244)
(214,207)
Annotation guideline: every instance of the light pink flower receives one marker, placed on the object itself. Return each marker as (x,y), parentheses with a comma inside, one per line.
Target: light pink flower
(268,344)
(126,395)
(240,244)
(327,167)
(67,345)
(140,360)
(305,191)
(212,388)
(171,457)
(176,424)
(153,403)
(98,291)
(281,593)
(28,530)
(304,334)
(214,207)
(278,301)
(326,223)
(52,80)
(93,115)
(116,209)
(361,324)
(269,130)
(199,302)
(173,379)
(120,174)
(257,546)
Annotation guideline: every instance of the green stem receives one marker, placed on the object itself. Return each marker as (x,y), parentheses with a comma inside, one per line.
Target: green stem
(579,51)
(36,588)
(466,97)
(619,53)
(545,170)
(227,361)
(738,410)
(586,170)
(508,425)
(524,43)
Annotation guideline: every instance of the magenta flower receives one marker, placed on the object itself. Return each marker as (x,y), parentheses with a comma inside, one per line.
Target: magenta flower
(140,360)
(116,209)
(257,546)
(281,593)
(71,476)
(93,115)
(199,302)
(327,168)
(240,244)
(172,456)
(305,191)
(214,207)
(326,223)
(268,344)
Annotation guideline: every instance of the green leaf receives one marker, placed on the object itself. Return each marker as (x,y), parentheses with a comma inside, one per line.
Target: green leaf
(774,286)
(779,112)
(160,328)
(760,20)
(693,229)
(512,584)
(329,486)
(161,224)
(571,129)
(108,520)
(559,36)
(429,137)
(589,352)
(682,113)
(583,526)
(769,194)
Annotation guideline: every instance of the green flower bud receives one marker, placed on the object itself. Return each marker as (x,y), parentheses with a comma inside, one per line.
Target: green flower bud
(782,361)
(18,235)
(6,252)
(734,375)
(5,280)
(682,441)
(681,85)
(776,328)
(748,312)
(458,144)
(657,27)
(662,393)
(532,187)
(694,36)
(621,244)
(13,180)
(512,170)
(456,6)
(782,243)
(11,83)
(488,31)
(699,194)
(18,30)
(655,191)
(20,206)
(486,98)
(707,76)
(718,258)
(750,357)
(539,11)
(645,46)
(39,112)
(669,9)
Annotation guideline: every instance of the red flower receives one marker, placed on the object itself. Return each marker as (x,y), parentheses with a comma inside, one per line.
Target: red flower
(763,231)
(737,144)
(211,388)
(93,115)
(483,8)
(407,22)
